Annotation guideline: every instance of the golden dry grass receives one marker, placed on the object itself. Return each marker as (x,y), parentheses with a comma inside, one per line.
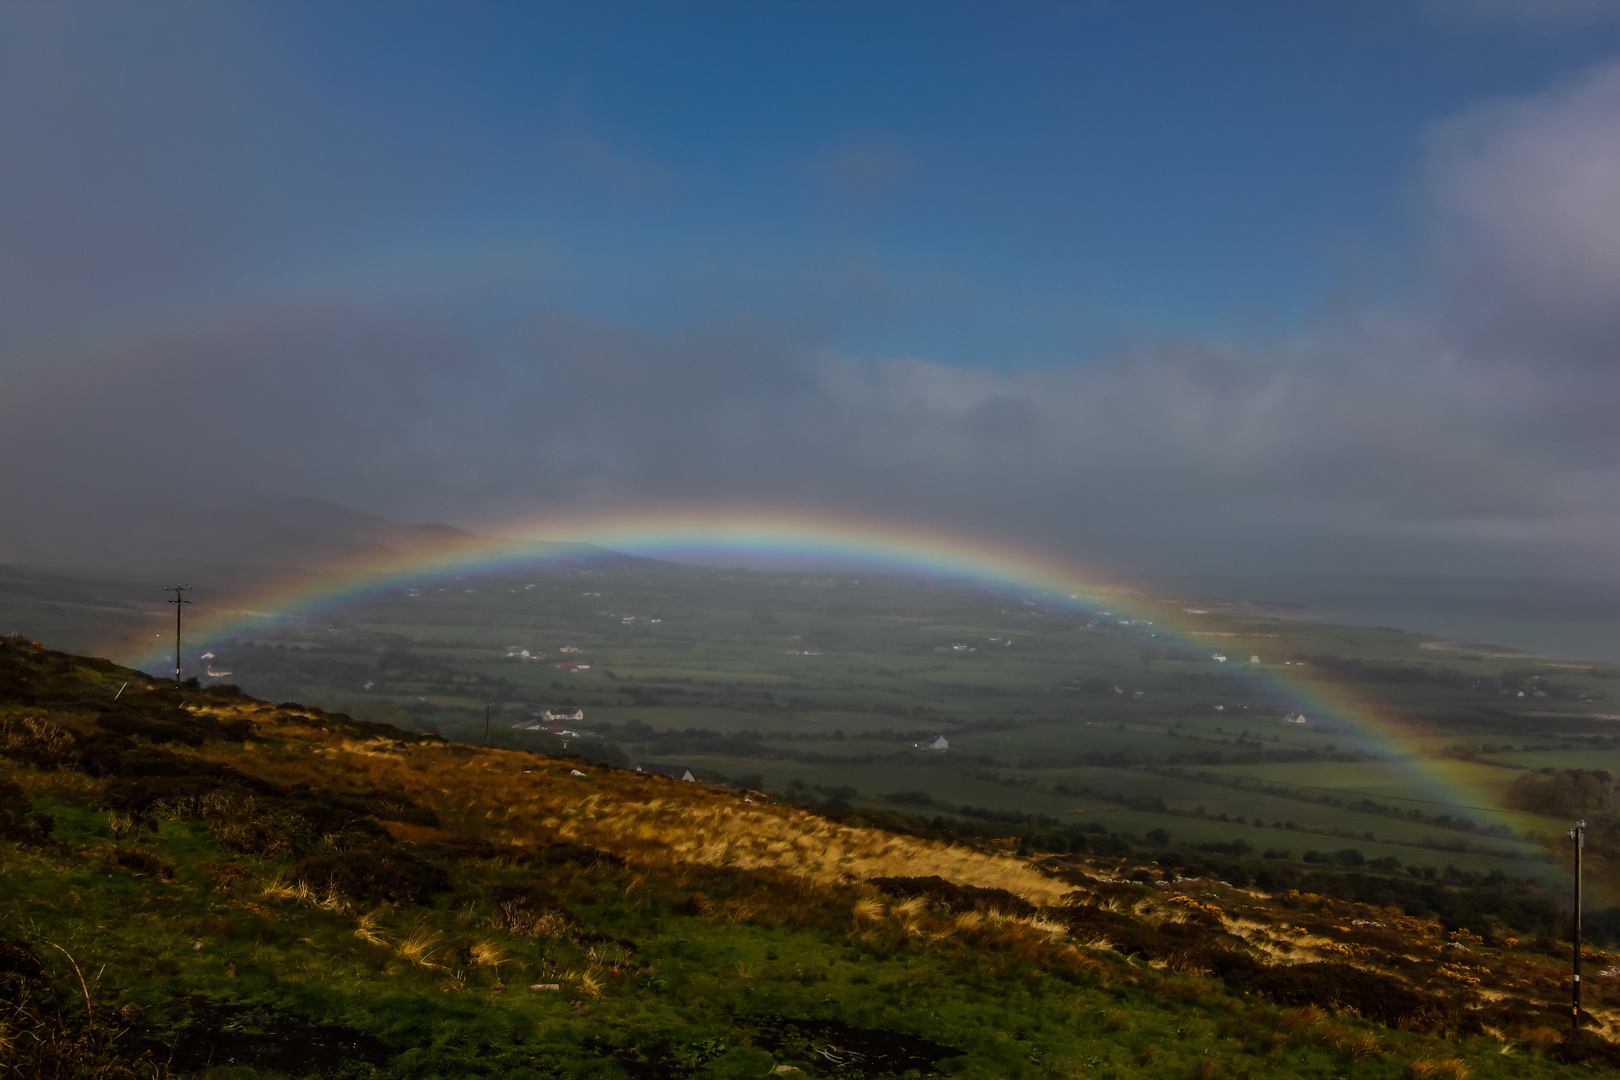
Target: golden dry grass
(1294,1019)
(1359,1045)
(278,889)
(488,954)
(421,947)
(639,818)
(1542,1038)
(366,928)
(868,910)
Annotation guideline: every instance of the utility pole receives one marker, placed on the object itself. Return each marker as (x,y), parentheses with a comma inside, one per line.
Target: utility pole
(179,602)
(1577,834)
(486,722)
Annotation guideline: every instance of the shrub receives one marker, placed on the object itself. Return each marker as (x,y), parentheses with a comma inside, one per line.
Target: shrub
(1585,1048)
(141,863)
(19,823)
(374,870)
(953,897)
(1336,985)
(40,743)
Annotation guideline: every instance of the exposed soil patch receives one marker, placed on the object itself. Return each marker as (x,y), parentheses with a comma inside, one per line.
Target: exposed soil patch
(835,1046)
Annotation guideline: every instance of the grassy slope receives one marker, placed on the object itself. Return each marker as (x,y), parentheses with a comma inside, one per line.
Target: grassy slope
(208,865)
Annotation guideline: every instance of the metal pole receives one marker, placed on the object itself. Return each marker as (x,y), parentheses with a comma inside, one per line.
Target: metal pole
(1577,834)
(486,724)
(179,602)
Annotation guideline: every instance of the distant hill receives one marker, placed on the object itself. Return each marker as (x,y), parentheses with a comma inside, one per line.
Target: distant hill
(195,880)
(93,581)
(153,534)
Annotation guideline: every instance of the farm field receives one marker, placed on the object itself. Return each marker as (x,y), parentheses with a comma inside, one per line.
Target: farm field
(1083,723)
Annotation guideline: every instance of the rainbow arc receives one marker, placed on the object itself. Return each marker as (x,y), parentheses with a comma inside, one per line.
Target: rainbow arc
(791,539)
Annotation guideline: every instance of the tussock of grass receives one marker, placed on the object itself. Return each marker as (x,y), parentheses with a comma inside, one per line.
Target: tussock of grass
(366,929)
(421,947)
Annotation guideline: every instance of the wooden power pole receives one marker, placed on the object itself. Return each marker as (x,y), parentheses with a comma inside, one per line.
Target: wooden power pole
(1577,834)
(179,603)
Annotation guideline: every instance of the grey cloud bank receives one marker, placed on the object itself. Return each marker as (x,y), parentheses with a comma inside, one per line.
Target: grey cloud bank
(1375,451)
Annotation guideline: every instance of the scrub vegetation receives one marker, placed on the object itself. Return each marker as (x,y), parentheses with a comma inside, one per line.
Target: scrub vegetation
(196,882)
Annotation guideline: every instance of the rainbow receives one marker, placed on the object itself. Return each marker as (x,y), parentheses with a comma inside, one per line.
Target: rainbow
(751,537)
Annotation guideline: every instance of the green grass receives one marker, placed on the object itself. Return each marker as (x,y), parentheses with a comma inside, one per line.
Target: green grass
(1000,1016)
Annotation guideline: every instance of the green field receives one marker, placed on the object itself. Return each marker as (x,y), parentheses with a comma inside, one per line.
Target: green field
(1063,723)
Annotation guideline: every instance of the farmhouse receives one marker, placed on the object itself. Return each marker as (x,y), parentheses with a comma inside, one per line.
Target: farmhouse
(935,742)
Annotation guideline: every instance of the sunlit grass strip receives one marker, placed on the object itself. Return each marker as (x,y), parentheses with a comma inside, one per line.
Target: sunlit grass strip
(638,819)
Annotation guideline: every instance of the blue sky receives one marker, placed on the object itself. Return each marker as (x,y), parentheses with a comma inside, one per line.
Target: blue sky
(973,183)
(1187,286)
(981,184)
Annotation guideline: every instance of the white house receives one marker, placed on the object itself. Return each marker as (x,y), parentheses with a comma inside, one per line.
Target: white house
(938,742)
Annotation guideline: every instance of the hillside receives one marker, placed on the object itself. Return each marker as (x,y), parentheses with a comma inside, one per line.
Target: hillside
(197,882)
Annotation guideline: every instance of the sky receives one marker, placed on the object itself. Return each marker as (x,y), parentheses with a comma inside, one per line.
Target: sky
(1249,288)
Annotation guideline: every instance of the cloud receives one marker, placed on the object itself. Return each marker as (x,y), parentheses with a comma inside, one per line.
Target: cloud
(1523,195)
(585,153)
(1559,15)
(864,173)
(1174,456)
